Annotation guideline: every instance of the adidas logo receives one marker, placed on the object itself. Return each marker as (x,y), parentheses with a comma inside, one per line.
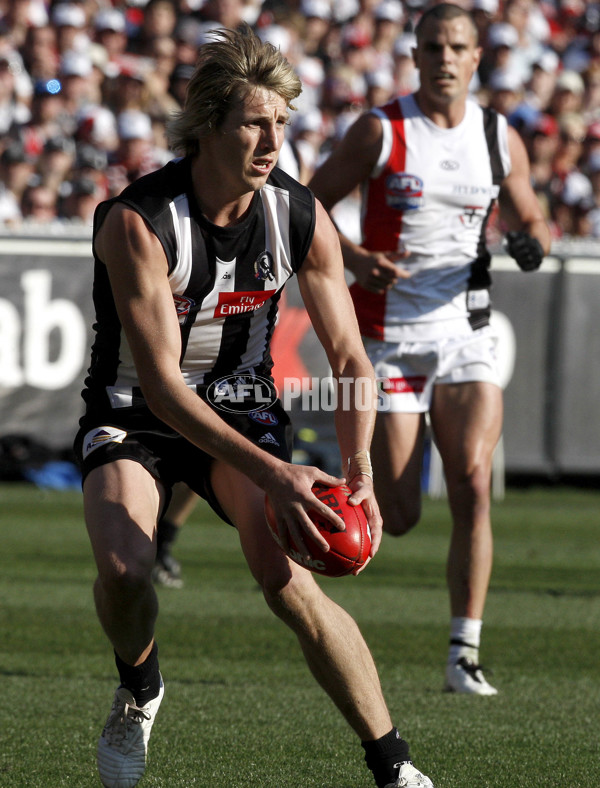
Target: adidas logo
(268,437)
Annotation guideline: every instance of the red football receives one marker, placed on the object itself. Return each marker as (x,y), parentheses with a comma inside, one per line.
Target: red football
(348,550)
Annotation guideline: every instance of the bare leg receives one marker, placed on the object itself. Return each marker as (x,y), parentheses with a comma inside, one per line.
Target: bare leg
(467,421)
(397,451)
(181,505)
(334,649)
(121,503)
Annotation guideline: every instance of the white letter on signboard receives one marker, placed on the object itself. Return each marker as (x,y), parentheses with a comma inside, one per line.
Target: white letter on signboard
(42,317)
(11,374)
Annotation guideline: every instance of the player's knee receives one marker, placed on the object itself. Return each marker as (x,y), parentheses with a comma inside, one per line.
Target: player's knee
(126,571)
(473,484)
(399,517)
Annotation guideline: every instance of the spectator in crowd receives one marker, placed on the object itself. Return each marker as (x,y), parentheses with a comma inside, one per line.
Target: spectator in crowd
(39,204)
(17,168)
(159,19)
(97,126)
(223,13)
(591,98)
(80,201)
(79,85)
(542,140)
(593,171)
(129,90)
(13,111)
(10,208)
(591,143)
(70,23)
(317,20)
(56,161)
(380,88)
(91,164)
(571,206)
(570,148)
(498,50)
(505,91)
(389,18)
(49,117)
(136,155)
(40,52)
(568,94)
(181,75)
(187,36)
(405,72)
(532,31)
(542,82)
(485,14)
(111,32)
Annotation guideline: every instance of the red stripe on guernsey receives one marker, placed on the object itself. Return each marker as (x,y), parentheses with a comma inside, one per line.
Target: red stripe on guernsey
(240,302)
(381,226)
(414,384)
(370,311)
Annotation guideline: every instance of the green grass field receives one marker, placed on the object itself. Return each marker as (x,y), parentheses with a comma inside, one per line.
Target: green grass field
(240,707)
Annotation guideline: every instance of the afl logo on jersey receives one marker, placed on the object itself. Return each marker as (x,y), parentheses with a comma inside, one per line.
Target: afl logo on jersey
(263,267)
(183,304)
(403,191)
(264,417)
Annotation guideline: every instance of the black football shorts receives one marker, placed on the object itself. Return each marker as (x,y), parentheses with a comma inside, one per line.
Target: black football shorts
(136,434)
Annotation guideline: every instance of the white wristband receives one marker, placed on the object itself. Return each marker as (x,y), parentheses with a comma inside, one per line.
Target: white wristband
(359,464)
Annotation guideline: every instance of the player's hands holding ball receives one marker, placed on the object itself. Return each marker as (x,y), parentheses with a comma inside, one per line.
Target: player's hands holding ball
(312,518)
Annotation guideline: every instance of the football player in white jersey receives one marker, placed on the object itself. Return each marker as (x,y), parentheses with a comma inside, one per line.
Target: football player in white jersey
(431,166)
(172,315)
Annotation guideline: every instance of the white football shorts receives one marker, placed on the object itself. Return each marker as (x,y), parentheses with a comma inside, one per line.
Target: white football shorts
(407,371)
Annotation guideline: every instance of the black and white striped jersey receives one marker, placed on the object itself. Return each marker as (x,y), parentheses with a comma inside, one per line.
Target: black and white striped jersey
(226,281)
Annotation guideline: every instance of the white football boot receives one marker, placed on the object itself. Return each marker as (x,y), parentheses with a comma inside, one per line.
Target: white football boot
(123,745)
(464,675)
(410,777)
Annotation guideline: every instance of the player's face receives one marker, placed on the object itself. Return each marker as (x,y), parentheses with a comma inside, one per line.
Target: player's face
(447,58)
(250,138)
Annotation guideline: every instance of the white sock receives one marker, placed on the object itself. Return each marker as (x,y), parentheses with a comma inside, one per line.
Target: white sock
(465,635)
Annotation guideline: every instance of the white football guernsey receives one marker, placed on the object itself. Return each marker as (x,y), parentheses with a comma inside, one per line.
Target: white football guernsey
(431,194)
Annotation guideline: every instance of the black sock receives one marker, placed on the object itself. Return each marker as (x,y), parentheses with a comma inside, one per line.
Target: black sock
(166,533)
(383,755)
(143,681)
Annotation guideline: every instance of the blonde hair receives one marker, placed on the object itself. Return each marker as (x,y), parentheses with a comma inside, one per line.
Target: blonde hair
(228,69)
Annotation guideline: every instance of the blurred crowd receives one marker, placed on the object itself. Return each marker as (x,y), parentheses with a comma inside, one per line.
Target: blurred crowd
(86,87)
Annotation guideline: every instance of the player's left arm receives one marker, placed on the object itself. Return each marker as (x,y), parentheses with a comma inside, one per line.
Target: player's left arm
(528,238)
(330,308)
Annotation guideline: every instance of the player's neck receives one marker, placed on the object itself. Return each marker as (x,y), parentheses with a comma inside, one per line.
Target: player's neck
(216,199)
(445,115)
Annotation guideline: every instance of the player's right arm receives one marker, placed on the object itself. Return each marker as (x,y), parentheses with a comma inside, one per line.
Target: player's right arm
(350,165)
(138,272)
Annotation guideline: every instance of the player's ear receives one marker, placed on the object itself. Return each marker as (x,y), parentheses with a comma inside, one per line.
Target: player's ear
(477,52)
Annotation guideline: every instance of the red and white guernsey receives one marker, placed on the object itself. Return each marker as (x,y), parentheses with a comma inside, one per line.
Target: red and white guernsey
(431,194)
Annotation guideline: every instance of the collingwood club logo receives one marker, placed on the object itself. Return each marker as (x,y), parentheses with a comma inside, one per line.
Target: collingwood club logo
(263,267)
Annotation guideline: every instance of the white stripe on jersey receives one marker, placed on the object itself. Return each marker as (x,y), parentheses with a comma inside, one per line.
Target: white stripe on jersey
(180,211)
